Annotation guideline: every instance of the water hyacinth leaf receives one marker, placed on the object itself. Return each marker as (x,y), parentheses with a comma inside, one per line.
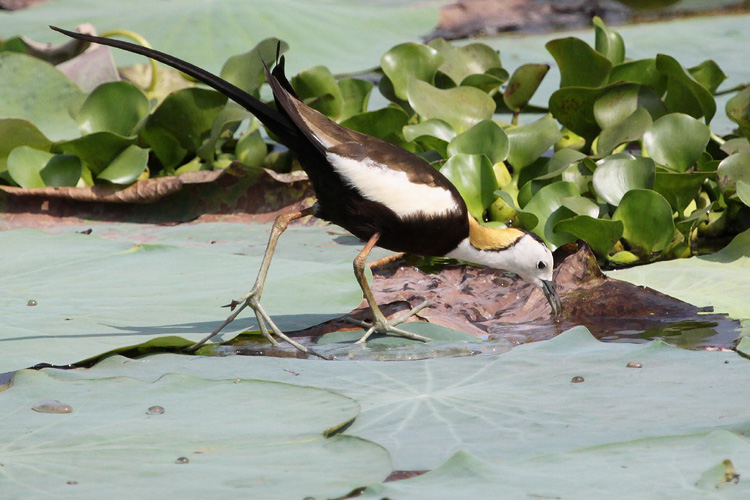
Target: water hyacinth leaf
(487,82)
(581,205)
(462,62)
(486,137)
(164,145)
(574,108)
(96,150)
(34,90)
(547,205)
(24,165)
(126,167)
(580,65)
(647,220)
(679,189)
(246,70)
(408,61)
(529,142)
(228,119)
(525,219)
(251,149)
(385,123)
(434,127)
(461,107)
(743,192)
(608,42)
(116,107)
(642,71)
(600,234)
(355,94)
(61,170)
(620,101)
(15,132)
(614,177)
(318,88)
(736,145)
(628,130)
(561,160)
(676,141)
(684,93)
(474,178)
(523,84)
(732,169)
(708,74)
(738,110)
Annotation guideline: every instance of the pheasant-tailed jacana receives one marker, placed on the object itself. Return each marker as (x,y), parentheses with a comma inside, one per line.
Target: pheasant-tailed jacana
(379,192)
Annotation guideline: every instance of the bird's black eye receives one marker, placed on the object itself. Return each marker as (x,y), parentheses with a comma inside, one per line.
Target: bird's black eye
(541,265)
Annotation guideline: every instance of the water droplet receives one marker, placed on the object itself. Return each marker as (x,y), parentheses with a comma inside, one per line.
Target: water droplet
(635,364)
(577,380)
(72,482)
(52,406)
(31,302)
(155,410)
(182,460)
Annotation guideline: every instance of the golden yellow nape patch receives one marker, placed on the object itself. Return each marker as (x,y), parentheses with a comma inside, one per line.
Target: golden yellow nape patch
(485,238)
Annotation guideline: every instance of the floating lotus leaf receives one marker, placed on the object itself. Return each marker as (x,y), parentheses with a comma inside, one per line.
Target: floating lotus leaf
(608,42)
(738,110)
(486,137)
(547,205)
(629,129)
(475,180)
(318,88)
(622,100)
(733,168)
(410,61)
(580,65)
(614,177)
(126,167)
(461,107)
(676,141)
(355,94)
(528,142)
(246,70)
(708,74)
(647,220)
(684,93)
(523,84)
(600,234)
(642,71)
(116,107)
(462,62)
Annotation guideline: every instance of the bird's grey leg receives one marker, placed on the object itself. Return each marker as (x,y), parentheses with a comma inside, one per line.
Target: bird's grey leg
(252,299)
(379,323)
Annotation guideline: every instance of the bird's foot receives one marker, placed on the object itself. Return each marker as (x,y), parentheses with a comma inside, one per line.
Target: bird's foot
(383,326)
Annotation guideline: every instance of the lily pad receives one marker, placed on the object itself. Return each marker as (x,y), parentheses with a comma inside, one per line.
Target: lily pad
(647,220)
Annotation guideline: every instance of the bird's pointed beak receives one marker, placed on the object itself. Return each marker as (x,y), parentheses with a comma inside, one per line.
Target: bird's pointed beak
(550,291)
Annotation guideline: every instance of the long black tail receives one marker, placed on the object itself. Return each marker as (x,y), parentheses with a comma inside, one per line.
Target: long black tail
(278,123)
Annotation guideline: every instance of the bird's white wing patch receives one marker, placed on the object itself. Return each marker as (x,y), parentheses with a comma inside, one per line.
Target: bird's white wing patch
(392,188)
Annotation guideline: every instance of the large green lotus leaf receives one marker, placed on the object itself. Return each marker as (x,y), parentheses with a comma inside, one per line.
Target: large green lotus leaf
(25,164)
(190,29)
(318,88)
(609,43)
(635,469)
(614,177)
(246,70)
(629,129)
(96,150)
(126,167)
(642,71)
(356,95)
(264,438)
(484,138)
(529,142)
(684,93)
(676,141)
(622,100)
(647,218)
(708,74)
(679,189)
(474,178)
(523,84)
(461,107)
(738,110)
(34,90)
(720,279)
(600,234)
(116,107)
(386,123)
(410,60)
(461,62)
(507,407)
(14,133)
(126,284)
(547,205)
(580,65)
(733,168)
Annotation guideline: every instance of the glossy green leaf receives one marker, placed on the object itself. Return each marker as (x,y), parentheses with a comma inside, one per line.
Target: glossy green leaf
(484,138)
(251,149)
(743,192)
(547,205)
(25,164)
(736,145)
(684,93)
(526,220)
(529,142)
(628,130)
(642,71)
(732,169)
(474,178)
(679,189)
(96,150)
(623,258)
(461,107)
(574,108)
(246,70)
(126,167)
(61,170)
(523,84)
(14,133)
(620,101)
(356,95)
(434,127)
(224,125)
(385,123)
(33,90)
(738,110)
(116,107)
(647,220)
(600,234)
(462,62)
(581,205)
(409,61)
(580,65)
(488,82)
(614,177)
(318,88)
(164,145)
(608,42)
(676,141)
(708,74)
